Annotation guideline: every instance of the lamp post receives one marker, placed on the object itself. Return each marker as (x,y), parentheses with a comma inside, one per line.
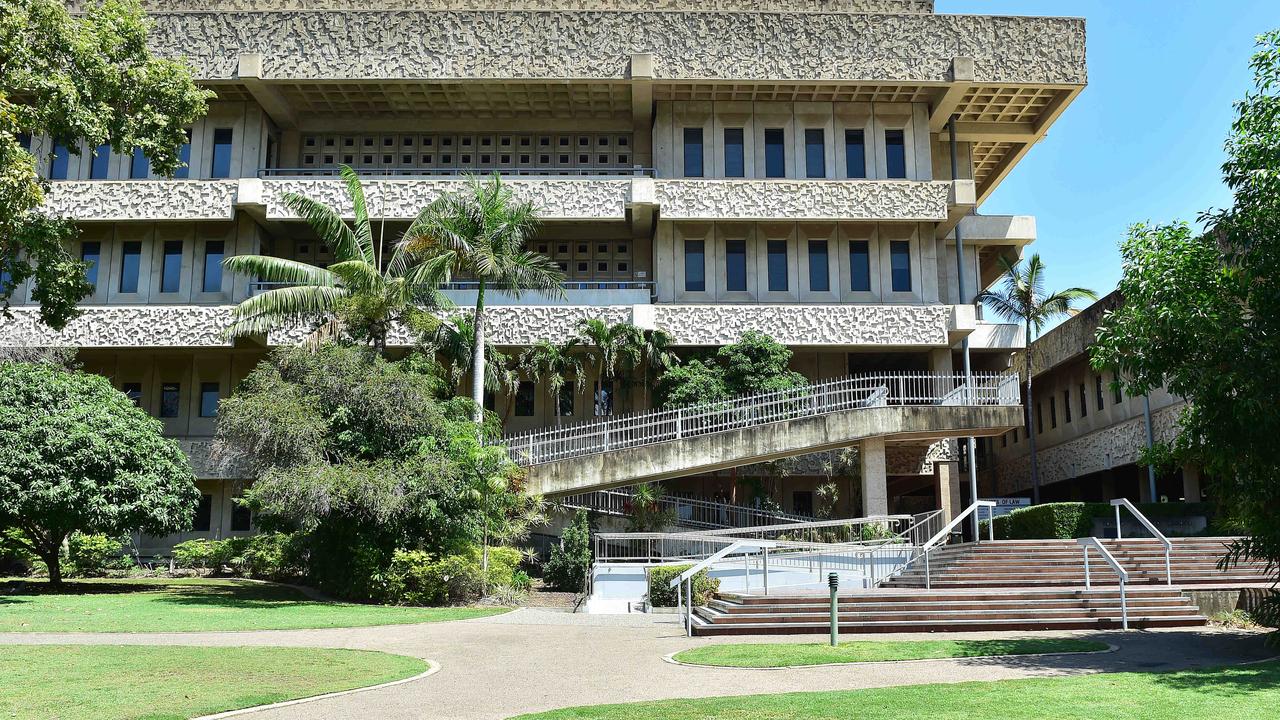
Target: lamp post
(833,580)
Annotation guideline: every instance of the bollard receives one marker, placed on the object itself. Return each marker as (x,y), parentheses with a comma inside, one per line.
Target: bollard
(834,581)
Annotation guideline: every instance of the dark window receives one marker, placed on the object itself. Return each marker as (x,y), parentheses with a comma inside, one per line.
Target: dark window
(209,399)
(60,162)
(777,266)
(525,397)
(735,157)
(564,403)
(900,265)
(819,269)
(221,153)
(1053,413)
(1066,406)
(169,400)
(91,252)
(171,267)
(241,516)
(604,398)
(24,139)
(855,153)
(1097,381)
(815,153)
(802,502)
(693,152)
(895,153)
(1039,420)
(204,514)
(1116,395)
(1084,402)
(859,266)
(140,166)
(735,265)
(695,266)
(130,262)
(133,391)
(184,155)
(1004,440)
(101,164)
(213,253)
(490,400)
(775,153)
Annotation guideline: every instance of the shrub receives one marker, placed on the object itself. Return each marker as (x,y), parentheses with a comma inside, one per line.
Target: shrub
(570,561)
(1070,520)
(521,581)
(503,562)
(15,558)
(416,577)
(92,555)
(194,554)
(271,556)
(662,595)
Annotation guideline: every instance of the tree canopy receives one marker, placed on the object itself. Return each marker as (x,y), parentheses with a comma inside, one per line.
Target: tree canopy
(77,455)
(90,78)
(755,364)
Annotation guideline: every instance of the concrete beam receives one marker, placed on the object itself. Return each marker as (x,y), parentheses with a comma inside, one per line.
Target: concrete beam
(946,474)
(1013,132)
(273,102)
(641,76)
(961,201)
(945,106)
(1014,156)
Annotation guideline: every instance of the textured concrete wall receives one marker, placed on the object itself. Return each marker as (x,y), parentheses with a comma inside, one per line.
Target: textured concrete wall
(801,200)
(687,46)
(96,200)
(801,325)
(123,326)
(790,6)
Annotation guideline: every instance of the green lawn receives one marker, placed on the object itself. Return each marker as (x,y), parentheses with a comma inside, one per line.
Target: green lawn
(1250,692)
(771,655)
(61,682)
(192,605)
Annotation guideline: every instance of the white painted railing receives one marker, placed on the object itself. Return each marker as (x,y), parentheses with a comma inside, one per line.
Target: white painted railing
(1092,542)
(849,393)
(689,512)
(1151,528)
(943,535)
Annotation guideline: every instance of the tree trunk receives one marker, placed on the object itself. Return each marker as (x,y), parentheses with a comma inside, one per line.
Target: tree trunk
(1031,431)
(51,554)
(477,357)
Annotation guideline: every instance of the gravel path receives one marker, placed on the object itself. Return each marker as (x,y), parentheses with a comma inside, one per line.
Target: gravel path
(531,660)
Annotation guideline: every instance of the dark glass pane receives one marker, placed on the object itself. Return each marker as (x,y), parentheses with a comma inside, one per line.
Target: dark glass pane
(525,399)
(735,265)
(184,154)
(1098,390)
(895,153)
(693,152)
(604,398)
(130,261)
(171,267)
(1084,402)
(140,167)
(241,517)
(91,252)
(490,400)
(564,404)
(819,270)
(859,266)
(900,265)
(101,163)
(777,266)
(213,253)
(815,153)
(169,400)
(695,266)
(60,163)
(209,400)
(775,153)
(1066,405)
(221,153)
(204,514)
(134,391)
(735,163)
(24,139)
(855,153)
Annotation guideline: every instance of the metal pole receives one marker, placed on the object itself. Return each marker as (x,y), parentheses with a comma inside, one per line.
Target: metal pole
(766,572)
(1124,607)
(1119,535)
(964,342)
(1151,469)
(1087,584)
(833,580)
(927,585)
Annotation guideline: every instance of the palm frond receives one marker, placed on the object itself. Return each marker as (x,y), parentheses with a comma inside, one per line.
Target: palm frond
(363,231)
(327,224)
(278,270)
(282,306)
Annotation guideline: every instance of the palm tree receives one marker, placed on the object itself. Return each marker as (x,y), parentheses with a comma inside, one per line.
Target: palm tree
(655,355)
(453,341)
(556,365)
(1022,299)
(361,293)
(614,345)
(481,232)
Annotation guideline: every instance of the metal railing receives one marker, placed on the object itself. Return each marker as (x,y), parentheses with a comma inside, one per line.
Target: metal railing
(884,529)
(861,391)
(943,535)
(617,171)
(259,286)
(1092,542)
(1151,528)
(689,512)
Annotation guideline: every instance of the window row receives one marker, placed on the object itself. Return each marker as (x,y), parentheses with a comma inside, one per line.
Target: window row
(171,398)
(241,516)
(592,150)
(525,399)
(1117,397)
(778,273)
(140,164)
(775,153)
(170,265)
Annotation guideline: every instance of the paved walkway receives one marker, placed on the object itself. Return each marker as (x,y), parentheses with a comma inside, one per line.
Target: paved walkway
(532,660)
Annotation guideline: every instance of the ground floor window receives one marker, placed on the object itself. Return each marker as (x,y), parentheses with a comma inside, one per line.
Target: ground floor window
(204,514)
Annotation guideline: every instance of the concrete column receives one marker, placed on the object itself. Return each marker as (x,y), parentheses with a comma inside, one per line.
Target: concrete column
(875,479)
(1191,483)
(947,487)
(1144,488)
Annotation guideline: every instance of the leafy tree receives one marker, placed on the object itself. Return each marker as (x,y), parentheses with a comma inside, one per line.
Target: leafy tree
(656,356)
(570,561)
(614,346)
(692,383)
(452,340)
(755,364)
(77,455)
(1201,315)
(85,77)
(557,365)
(482,232)
(1022,299)
(361,294)
(645,512)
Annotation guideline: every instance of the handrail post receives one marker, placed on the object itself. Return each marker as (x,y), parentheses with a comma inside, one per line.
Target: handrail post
(1168,567)
(1087,584)
(766,572)
(679,423)
(1119,535)
(1124,607)
(927,583)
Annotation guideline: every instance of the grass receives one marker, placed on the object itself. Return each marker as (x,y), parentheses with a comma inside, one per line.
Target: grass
(772,655)
(60,682)
(193,605)
(1249,692)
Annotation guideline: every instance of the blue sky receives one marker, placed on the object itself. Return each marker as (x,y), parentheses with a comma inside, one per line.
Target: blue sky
(1144,140)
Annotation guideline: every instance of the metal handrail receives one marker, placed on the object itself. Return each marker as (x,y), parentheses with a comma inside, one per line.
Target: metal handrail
(1168,544)
(1092,542)
(258,286)
(814,525)
(619,171)
(702,513)
(945,532)
(852,392)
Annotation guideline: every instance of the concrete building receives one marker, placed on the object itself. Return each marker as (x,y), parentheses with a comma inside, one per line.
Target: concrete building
(1089,434)
(706,168)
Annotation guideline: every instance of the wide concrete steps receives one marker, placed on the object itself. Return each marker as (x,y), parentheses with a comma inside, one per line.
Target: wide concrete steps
(918,611)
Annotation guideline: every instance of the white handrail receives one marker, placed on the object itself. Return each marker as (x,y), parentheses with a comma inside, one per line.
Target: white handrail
(728,550)
(1092,542)
(1168,544)
(946,531)
(814,525)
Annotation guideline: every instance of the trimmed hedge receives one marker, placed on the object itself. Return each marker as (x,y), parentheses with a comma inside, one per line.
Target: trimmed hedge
(662,595)
(1071,520)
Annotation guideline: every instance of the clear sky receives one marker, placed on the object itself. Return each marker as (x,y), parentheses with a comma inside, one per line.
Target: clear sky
(1144,140)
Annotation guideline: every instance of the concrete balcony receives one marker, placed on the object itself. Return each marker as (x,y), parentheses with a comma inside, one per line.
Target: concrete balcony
(889,200)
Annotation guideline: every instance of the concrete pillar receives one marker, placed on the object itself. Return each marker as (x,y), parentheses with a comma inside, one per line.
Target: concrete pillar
(1191,483)
(875,479)
(1144,487)
(947,487)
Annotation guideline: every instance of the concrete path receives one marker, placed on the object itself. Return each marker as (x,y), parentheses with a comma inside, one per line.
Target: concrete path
(532,660)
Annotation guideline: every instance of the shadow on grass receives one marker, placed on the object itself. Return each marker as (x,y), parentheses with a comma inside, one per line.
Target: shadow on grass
(1224,681)
(225,595)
